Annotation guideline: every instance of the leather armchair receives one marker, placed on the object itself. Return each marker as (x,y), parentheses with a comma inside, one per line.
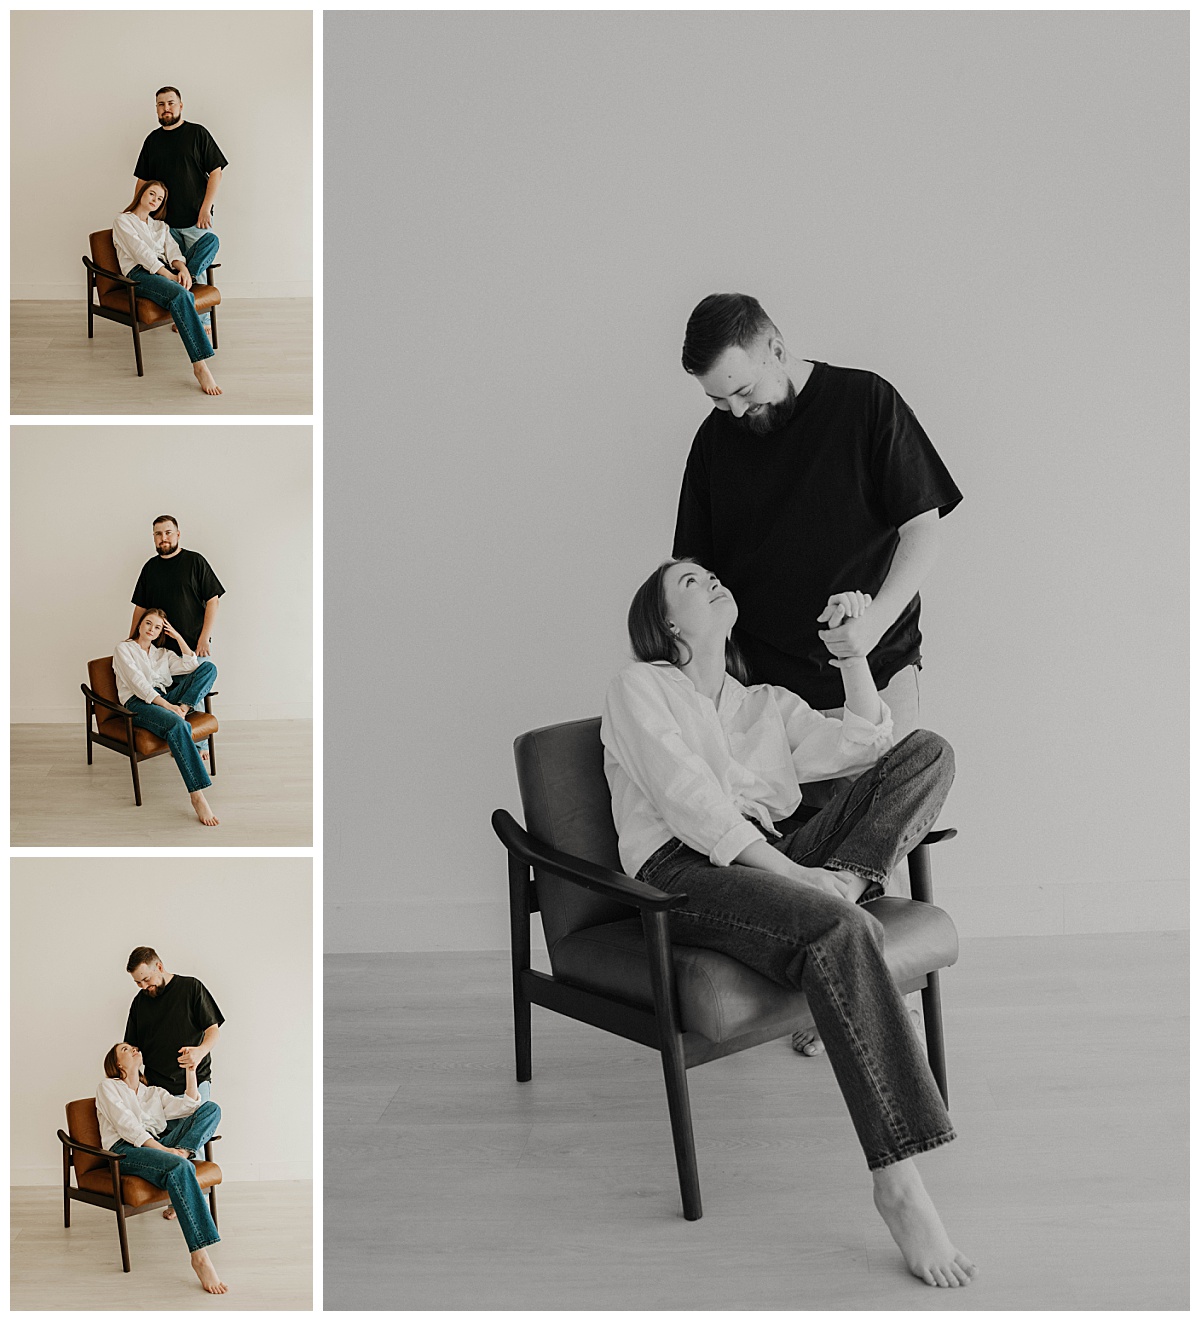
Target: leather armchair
(621,972)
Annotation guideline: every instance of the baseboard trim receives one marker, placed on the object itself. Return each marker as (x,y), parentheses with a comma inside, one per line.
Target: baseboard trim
(76,291)
(49,1176)
(225,711)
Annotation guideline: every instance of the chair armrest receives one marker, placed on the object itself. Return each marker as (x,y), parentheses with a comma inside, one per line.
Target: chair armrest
(936,836)
(104,702)
(612,884)
(920,873)
(68,1141)
(108,275)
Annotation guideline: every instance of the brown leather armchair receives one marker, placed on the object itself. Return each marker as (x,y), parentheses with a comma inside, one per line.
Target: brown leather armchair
(98,1177)
(110,295)
(622,973)
(116,731)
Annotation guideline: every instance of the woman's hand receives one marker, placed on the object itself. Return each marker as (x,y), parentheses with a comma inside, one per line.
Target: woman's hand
(169,630)
(183,275)
(850,635)
(830,882)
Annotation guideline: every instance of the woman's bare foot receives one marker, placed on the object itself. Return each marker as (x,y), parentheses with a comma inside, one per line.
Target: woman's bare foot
(908,1212)
(169,1213)
(205,377)
(808,1042)
(203,811)
(202,1265)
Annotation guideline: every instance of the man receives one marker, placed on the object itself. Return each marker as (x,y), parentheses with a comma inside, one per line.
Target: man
(806,480)
(173,1021)
(184,156)
(183,584)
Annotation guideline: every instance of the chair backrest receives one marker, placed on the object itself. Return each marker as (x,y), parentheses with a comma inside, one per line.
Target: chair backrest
(104,253)
(84,1126)
(102,680)
(565,797)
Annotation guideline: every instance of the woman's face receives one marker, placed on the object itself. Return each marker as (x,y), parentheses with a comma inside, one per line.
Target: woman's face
(152,199)
(149,628)
(697,604)
(129,1060)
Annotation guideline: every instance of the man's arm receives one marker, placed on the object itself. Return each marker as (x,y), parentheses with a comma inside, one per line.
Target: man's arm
(138,612)
(920,540)
(190,1056)
(204,643)
(204,219)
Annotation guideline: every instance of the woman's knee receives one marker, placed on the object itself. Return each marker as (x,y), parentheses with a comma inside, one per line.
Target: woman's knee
(206,670)
(926,748)
(208,1110)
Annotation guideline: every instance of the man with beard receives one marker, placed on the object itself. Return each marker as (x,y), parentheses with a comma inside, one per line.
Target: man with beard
(804,481)
(182,583)
(184,156)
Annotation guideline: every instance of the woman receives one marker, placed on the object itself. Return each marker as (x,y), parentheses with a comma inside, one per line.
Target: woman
(146,685)
(701,766)
(148,254)
(155,1133)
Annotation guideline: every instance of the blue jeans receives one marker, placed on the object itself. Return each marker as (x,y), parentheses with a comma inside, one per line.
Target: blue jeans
(164,1169)
(814,942)
(187,690)
(181,304)
(199,247)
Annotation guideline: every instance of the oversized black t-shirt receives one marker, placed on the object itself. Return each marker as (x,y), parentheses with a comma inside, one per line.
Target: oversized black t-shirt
(159,1024)
(180,584)
(182,158)
(787,519)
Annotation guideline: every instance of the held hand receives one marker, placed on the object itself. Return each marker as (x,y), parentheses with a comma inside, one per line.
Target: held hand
(189,1057)
(851,632)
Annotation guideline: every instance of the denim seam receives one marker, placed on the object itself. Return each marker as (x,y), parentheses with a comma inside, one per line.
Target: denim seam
(913,1148)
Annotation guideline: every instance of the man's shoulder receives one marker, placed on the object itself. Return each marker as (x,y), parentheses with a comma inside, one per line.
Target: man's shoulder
(856,380)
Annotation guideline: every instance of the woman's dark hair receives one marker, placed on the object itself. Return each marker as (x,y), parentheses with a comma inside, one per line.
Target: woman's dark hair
(112,1069)
(137,197)
(720,322)
(650,633)
(133,637)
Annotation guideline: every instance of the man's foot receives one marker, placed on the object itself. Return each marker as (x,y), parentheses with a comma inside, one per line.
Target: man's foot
(203,811)
(169,1213)
(808,1042)
(205,377)
(908,1212)
(202,1265)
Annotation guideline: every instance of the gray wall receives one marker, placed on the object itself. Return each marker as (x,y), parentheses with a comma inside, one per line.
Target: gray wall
(989,209)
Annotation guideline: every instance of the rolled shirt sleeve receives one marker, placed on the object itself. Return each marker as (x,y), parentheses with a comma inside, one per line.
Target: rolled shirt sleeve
(181,664)
(824,747)
(116,1115)
(175,1107)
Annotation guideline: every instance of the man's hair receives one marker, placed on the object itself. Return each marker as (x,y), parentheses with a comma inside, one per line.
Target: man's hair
(161,90)
(166,518)
(143,954)
(720,322)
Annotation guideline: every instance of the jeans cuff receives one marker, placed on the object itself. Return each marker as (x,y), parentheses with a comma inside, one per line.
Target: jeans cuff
(909,1149)
(871,875)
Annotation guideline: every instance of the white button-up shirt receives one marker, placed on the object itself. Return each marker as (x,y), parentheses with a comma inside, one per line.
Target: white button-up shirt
(145,243)
(139,672)
(136,1116)
(681,768)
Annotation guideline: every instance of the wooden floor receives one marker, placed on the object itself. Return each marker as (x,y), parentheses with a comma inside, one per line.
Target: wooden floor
(265,1254)
(450,1186)
(262,791)
(263,362)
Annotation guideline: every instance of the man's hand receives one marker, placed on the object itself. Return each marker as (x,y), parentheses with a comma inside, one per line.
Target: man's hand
(204,219)
(204,647)
(851,631)
(189,1057)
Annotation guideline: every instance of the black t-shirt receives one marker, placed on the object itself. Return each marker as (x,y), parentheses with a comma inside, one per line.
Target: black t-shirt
(159,1024)
(182,158)
(181,585)
(787,519)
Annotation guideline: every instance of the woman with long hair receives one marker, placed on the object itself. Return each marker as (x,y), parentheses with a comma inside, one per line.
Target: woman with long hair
(148,254)
(702,764)
(156,1134)
(160,688)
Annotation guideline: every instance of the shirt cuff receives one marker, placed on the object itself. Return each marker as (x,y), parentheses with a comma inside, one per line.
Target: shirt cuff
(733,842)
(855,729)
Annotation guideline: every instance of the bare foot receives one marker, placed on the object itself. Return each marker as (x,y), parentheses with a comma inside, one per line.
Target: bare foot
(203,811)
(908,1212)
(857,886)
(202,1265)
(205,377)
(169,1213)
(808,1042)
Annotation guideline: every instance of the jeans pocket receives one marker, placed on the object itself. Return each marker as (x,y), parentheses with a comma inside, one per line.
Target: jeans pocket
(658,860)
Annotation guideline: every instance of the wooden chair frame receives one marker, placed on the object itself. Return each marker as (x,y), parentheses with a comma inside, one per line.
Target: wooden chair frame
(112,1201)
(658,1028)
(129,748)
(130,318)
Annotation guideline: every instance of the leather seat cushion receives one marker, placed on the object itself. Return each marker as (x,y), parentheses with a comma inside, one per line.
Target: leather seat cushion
(207,297)
(149,744)
(137,1192)
(720,998)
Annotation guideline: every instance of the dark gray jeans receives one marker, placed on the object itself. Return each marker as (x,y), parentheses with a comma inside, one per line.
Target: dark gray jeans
(814,942)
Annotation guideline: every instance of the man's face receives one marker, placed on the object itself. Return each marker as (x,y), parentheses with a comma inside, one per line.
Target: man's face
(169,109)
(149,977)
(166,538)
(752,385)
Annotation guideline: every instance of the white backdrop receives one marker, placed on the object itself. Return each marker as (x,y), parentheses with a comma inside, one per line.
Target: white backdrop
(243,498)
(83,85)
(988,209)
(243,926)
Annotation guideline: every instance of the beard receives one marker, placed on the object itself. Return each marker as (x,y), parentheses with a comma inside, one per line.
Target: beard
(772,417)
(169,121)
(167,550)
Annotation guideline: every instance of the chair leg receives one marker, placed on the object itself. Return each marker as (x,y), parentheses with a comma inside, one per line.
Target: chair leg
(931,1003)
(212,324)
(519,914)
(123,1235)
(212,1192)
(137,785)
(212,755)
(66,1187)
(89,314)
(137,347)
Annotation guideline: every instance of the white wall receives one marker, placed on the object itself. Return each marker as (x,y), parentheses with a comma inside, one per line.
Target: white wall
(83,502)
(989,209)
(83,85)
(243,926)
